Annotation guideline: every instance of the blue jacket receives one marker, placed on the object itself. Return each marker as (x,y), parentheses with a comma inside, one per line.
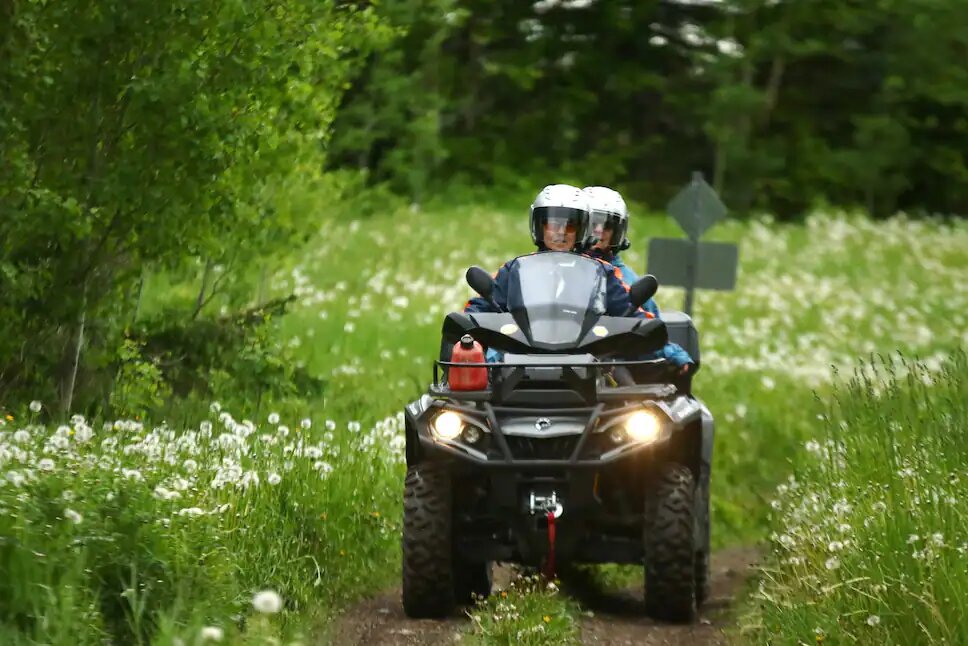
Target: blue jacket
(629,276)
(616,304)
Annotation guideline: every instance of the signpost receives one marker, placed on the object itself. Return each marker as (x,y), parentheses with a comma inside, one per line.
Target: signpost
(690,263)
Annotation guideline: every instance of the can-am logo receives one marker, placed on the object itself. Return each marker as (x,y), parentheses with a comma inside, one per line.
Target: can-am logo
(542,423)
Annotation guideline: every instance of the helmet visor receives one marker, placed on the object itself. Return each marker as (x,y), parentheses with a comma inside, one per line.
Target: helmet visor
(558,226)
(605,228)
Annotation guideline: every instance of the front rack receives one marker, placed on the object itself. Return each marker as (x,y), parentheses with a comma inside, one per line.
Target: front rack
(503,384)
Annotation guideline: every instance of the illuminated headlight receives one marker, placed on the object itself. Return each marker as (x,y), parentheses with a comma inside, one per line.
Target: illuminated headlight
(447,425)
(643,426)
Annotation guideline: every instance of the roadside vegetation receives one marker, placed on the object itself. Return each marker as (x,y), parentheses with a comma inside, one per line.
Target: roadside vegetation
(869,541)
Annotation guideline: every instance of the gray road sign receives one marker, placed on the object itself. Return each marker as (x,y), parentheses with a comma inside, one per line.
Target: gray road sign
(696,207)
(712,265)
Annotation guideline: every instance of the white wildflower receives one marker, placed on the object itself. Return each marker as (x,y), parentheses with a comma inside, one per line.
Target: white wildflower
(832,563)
(274,479)
(249,478)
(215,407)
(873,620)
(273,418)
(35,406)
(161,493)
(191,511)
(46,465)
(306,424)
(190,465)
(283,431)
(354,427)
(267,602)
(21,436)
(211,634)
(205,427)
(330,425)
(83,434)
(73,516)
(132,474)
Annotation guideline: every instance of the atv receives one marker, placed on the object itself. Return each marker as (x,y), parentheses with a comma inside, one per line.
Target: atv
(568,451)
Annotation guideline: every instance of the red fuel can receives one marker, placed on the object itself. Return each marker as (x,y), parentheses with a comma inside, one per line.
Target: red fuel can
(467,350)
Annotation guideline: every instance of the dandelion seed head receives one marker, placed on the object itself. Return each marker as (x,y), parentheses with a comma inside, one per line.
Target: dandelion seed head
(267,602)
(211,634)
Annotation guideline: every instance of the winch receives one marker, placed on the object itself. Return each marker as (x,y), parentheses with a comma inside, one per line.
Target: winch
(551,508)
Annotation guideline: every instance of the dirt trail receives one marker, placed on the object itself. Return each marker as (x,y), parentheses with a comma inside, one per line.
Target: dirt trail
(612,618)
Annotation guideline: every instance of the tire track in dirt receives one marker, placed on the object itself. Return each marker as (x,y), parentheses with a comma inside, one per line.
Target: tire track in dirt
(618,617)
(610,618)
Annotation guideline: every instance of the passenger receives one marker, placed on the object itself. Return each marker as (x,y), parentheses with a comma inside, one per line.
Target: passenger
(608,232)
(608,235)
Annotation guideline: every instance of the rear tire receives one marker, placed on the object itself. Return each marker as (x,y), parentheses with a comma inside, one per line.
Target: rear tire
(428,576)
(670,553)
(472,579)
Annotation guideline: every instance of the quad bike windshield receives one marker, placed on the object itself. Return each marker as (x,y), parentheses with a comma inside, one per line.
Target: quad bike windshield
(556,297)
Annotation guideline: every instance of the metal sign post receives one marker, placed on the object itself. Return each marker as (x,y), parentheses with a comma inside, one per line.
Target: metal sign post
(691,263)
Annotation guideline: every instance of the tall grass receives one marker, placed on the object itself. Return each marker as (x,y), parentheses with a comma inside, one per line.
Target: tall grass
(871,535)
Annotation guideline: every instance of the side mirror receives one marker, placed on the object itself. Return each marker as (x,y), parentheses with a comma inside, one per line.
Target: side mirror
(480,281)
(643,289)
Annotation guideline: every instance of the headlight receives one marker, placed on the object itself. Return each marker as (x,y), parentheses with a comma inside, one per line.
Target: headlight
(448,425)
(643,426)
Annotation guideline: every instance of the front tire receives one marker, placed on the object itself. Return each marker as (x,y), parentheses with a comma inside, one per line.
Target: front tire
(428,575)
(670,553)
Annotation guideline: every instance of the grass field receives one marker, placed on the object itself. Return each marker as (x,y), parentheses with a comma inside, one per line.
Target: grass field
(155,530)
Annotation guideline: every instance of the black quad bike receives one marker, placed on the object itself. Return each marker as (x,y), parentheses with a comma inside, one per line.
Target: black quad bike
(570,453)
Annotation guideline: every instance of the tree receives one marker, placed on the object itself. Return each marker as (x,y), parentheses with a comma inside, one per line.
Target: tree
(141,132)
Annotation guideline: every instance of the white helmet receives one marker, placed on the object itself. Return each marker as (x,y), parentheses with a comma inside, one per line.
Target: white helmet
(561,202)
(608,210)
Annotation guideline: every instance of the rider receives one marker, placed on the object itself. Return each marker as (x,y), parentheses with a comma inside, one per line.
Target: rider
(559,222)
